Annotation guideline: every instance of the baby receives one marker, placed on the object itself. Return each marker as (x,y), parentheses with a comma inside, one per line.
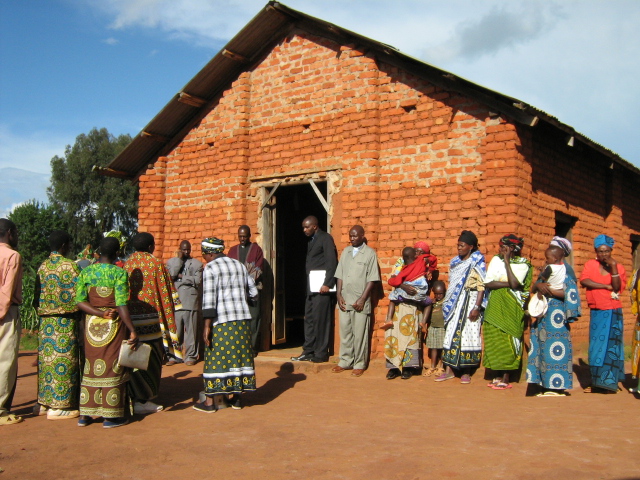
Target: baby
(413,275)
(555,272)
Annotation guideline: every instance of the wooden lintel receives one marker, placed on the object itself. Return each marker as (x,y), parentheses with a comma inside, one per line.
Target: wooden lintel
(191,100)
(234,56)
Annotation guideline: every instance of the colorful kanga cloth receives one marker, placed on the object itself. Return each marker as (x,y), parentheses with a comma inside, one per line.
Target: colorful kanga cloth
(634,288)
(550,360)
(606,349)
(228,362)
(504,315)
(103,387)
(462,341)
(402,340)
(58,351)
(151,301)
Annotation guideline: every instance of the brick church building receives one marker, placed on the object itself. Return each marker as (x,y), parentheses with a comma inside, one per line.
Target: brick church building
(296,116)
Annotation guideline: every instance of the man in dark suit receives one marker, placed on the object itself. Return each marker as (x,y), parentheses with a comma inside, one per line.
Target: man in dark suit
(319,304)
(186,273)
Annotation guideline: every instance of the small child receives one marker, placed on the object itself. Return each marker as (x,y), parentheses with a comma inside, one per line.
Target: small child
(413,274)
(433,325)
(554,274)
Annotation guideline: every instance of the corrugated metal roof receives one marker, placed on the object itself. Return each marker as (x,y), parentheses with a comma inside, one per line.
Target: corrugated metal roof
(165,131)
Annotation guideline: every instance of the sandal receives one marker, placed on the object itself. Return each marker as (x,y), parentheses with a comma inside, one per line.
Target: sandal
(429,371)
(502,386)
(10,419)
(551,393)
(494,382)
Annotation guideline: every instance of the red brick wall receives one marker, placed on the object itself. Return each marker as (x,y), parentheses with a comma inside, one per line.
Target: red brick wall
(406,160)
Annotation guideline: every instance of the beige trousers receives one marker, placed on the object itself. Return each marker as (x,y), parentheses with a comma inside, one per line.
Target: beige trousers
(10,329)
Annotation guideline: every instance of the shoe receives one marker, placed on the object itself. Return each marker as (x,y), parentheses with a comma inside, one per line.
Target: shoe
(202,407)
(393,373)
(319,360)
(39,409)
(146,408)
(62,414)
(357,372)
(466,378)
(114,422)
(235,401)
(406,374)
(339,369)
(444,376)
(170,363)
(190,363)
(10,419)
(429,371)
(502,386)
(84,420)
(305,357)
(552,393)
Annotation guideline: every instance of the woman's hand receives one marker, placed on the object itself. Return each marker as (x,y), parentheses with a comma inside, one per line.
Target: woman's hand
(110,313)
(474,314)
(133,341)
(505,251)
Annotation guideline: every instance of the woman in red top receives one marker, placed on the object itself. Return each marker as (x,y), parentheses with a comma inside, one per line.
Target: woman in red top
(603,278)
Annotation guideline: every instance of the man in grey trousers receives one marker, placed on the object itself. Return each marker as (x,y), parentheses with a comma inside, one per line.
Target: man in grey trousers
(186,273)
(357,273)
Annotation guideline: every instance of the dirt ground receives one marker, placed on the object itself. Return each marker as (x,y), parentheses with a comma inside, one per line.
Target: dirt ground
(310,423)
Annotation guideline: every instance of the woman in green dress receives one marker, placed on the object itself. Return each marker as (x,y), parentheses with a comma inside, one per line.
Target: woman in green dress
(102,293)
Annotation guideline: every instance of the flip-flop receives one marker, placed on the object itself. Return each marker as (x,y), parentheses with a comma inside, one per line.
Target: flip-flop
(493,382)
(502,386)
(551,394)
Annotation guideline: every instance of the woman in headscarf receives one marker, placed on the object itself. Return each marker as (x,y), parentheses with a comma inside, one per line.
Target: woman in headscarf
(508,281)
(603,278)
(228,355)
(550,360)
(634,288)
(462,310)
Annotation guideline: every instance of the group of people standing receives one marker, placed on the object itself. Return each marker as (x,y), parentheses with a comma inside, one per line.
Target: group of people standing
(480,318)
(89,315)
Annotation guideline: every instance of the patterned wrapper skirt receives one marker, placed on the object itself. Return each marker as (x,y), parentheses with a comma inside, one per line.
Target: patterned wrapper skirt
(402,341)
(228,362)
(103,387)
(606,349)
(58,362)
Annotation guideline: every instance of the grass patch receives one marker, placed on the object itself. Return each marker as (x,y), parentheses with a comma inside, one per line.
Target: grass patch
(29,341)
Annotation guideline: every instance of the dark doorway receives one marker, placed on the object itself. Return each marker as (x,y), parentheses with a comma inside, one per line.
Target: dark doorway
(293,203)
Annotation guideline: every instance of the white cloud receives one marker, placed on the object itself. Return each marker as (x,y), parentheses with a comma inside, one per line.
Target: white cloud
(31,151)
(574,60)
(111,41)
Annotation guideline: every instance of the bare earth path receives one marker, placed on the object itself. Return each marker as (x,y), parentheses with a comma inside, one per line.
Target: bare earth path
(318,425)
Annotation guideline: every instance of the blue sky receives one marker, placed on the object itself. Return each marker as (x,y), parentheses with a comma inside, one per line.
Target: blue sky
(67,66)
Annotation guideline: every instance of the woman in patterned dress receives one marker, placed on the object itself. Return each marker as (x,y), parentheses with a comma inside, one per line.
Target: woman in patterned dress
(550,360)
(102,293)
(462,310)
(634,288)
(508,281)
(58,352)
(604,279)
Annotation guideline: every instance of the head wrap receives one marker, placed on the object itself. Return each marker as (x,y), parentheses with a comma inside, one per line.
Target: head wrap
(212,245)
(424,246)
(469,238)
(122,240)
(512,240)
(86,254)
(563,243)
(603,240)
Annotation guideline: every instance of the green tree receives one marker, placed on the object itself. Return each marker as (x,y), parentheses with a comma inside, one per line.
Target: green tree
(90,203)
(34,221)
